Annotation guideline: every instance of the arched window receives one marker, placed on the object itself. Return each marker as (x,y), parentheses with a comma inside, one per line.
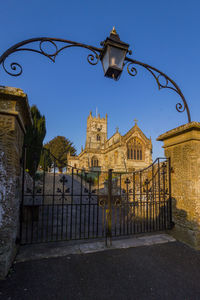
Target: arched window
(135,150)
(98,137)
(94,162)
(128,152)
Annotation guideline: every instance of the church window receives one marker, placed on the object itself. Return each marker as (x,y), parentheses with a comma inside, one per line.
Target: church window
(98,137)
(140,154)
(134,150)
(94,162)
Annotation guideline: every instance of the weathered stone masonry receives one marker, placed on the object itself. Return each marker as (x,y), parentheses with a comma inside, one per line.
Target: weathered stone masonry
(182,145)
(14,117)
(128,152)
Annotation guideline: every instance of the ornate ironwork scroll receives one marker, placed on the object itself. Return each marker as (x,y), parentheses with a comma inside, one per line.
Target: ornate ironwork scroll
(39,45)
(158,75)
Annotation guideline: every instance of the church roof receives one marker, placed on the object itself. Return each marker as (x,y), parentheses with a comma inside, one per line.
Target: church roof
(115,134)
(134,129)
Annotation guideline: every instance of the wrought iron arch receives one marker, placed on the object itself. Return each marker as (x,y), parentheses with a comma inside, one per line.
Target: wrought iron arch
(93,58)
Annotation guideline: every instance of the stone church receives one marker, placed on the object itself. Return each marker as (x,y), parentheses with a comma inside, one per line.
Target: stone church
(122,153)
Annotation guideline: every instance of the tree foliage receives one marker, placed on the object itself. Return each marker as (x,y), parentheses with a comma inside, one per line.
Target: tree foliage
(46,160)
(60,147)
(34,137)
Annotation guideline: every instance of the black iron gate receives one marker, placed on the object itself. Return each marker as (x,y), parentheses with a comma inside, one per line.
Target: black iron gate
(78,204)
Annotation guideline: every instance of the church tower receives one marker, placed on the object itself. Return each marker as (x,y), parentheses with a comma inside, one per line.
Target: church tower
(96,132)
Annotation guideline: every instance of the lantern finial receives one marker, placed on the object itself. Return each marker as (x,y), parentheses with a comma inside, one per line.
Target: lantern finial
(113,31)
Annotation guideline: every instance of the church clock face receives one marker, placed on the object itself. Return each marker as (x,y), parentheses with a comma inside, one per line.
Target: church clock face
(97,127)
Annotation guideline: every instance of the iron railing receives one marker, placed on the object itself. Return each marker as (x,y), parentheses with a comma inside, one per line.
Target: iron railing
(79,204)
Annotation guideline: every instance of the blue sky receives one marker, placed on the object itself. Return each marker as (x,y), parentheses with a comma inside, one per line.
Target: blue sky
(164,34)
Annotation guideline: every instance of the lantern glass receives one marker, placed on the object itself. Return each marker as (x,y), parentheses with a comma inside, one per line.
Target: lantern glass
(117,57)
(105,60)
(112,61)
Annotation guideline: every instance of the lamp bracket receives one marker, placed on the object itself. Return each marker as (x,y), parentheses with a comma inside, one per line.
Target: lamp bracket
(39,45)
(158,76)
(93,58)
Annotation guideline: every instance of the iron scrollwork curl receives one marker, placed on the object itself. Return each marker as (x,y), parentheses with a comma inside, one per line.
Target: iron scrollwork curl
(160,85)
(180,107)
(131,69)
(50,55)
(102,203)
(118,202)
(158,75)
(16,69)
(93,59)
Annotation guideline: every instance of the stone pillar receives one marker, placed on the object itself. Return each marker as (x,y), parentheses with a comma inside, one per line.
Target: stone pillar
(182,145)
(14,117)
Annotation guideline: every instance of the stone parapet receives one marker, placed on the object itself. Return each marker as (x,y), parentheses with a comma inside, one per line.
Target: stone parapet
(182,145)
(14,102)
(15,116)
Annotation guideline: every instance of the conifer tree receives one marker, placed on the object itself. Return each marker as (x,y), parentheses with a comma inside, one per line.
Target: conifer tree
(34,137)
(46,160)
(60,147)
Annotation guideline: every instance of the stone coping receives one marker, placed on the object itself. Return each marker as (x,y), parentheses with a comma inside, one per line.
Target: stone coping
(179,130)
(16,94)
(7,90)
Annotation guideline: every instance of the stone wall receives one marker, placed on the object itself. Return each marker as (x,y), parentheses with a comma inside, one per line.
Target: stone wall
(182,145)
(14,117)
